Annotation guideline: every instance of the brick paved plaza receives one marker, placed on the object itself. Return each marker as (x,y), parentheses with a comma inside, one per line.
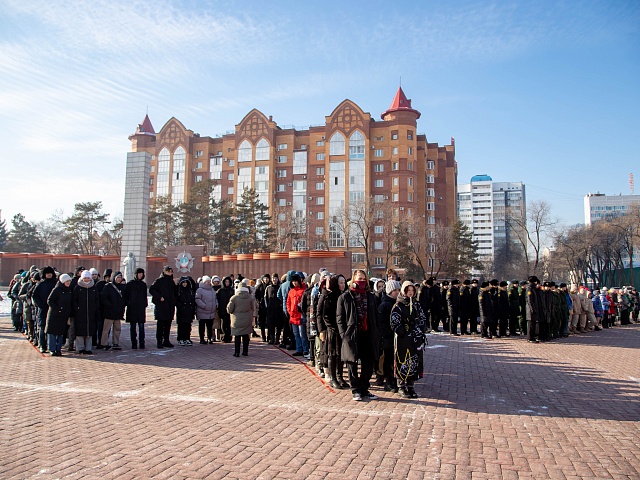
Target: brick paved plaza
(488,409)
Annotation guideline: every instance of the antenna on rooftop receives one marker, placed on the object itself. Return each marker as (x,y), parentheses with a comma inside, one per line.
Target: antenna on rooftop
(631,183)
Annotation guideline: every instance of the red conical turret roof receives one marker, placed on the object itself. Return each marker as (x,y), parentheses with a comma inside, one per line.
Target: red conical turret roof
(145,128)
(401,104)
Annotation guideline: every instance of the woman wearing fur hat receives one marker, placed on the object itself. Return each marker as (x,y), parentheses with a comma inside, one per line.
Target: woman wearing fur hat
(135,295)
(356,319)
(60,302)
(113,304)
(408,322)
(86,305)
(242,307)
(40,296)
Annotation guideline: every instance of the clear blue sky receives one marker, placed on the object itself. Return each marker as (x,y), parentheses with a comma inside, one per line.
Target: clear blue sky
(542,92)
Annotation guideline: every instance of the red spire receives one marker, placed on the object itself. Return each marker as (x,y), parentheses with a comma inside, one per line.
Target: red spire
(401,104)
(145,128)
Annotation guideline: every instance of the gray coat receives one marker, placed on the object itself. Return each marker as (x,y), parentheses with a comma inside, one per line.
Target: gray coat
(242,307)
(206,302)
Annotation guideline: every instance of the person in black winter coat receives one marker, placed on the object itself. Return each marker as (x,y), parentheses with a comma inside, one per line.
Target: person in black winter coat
(86,308)
(223,296)
(503,309)
(261,289)
(185,309)
(135,296)
(71,333)
(100,284)
(112,303)
(486,309)
(328,329)
(163,296)
(465,307)
(273,310)
(60,303)
(392,289)
(357,323)
(453,306)
(40,295)
(26,295)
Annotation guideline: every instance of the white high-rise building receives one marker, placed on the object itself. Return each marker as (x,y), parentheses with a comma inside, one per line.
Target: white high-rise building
(599,205)
(485,207)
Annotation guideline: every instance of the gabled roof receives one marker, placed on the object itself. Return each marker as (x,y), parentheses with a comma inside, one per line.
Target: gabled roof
(145,128)
(401,104)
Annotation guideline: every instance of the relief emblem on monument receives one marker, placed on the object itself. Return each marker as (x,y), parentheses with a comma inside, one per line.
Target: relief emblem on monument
(184,262)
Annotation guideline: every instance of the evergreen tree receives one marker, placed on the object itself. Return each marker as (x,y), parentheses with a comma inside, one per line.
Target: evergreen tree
(197,215)
(87,222)
(252,230)
(223,216)
(462,257)
(163,226)
(4,234)
(23,236)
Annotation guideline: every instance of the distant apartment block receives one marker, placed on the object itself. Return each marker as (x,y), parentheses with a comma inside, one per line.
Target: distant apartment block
(598,206)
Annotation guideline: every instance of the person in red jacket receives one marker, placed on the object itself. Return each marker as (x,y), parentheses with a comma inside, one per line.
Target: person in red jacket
(297,318)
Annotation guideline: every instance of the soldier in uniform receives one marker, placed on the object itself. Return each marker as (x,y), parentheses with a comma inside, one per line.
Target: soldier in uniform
(475,305)
(485,303)
(444,310)
(514,308)
(534,309)
(453,306)
(546,303)
(503,309)
(436,305)
(493,292)
(465,307)
(522,298)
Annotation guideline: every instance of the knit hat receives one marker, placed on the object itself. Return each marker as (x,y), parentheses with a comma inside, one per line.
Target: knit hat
(64,278)
(86,274)
(245,283)
(206,279)
(94,271)
(315,278)
(405,285)
(391,286)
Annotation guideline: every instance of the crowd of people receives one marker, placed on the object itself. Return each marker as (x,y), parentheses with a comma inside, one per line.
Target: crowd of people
(374,326)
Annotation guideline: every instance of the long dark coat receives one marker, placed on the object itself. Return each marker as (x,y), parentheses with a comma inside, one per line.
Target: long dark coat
(60,303)
(347,320)
(408,322)
(86,308)
(326,318)
(135,295)
(164,287)
(112,302)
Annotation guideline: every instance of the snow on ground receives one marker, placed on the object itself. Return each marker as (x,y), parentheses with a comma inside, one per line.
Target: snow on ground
(5,305)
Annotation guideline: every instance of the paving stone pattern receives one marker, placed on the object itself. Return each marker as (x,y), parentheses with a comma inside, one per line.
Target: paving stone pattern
(488,409)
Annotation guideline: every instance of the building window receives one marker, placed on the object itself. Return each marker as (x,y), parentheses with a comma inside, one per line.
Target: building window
(320,157)
(198,165)
(378,229)
(230,176)
(378,167)
(432,247)
(430,179)
(320,216)
(410,181)
(378,198)
(244,152)
(431,220)
(163,173)
(394,166)
(300,186)
(177,183)
(356,146)
(282,159)
(153,168)
(394,135)
(357,258)
(319,230)
(320,143)
(282,173)
(319,185)
(431,192)
(216,175)
(410,166)
(410,151)
(379,183)
(431,206)
(282,146)
(410,197)
(262,150)
(232,162)
(378,152)
(431,165)
(395,150)
(319,170)
(409,135)
(299,162)
(198,178)
(379,261)
(319,200)
(336,145)
(282,202)
(395,181)
(395,197)
(151,181)
(230,190)
(432,262)
(282,187)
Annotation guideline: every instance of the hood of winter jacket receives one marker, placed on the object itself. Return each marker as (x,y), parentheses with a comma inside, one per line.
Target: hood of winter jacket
(290,273)
(226,282)
(113,277)
(46,270)
(107,273)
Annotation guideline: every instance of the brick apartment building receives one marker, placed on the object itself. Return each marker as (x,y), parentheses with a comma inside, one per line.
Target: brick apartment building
(308,175)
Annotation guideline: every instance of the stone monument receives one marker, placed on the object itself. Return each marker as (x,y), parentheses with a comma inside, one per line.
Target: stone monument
(136,211)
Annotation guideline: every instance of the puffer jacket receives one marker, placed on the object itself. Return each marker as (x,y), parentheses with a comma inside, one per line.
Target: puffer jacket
(294,298)
(206,302)
(241,307)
